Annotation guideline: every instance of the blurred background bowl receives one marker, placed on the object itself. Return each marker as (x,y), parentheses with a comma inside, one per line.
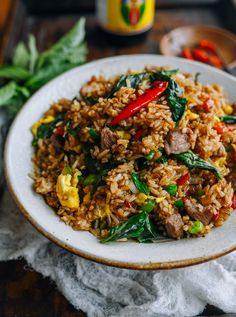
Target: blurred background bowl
(173,42)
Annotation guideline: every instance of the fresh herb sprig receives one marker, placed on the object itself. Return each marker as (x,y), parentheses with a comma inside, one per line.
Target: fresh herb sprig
(139,227)
(31,69)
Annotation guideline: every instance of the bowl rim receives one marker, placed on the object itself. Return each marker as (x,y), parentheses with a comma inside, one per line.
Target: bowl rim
(213,29)
(84,254)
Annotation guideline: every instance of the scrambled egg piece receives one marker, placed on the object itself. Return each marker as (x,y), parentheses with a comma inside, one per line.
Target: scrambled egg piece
(220,162)
(123,134)
(192,115)
(141,198)
(67,193)
(36,125)
(228,109)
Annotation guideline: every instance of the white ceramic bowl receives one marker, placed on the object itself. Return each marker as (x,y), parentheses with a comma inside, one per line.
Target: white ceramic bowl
(18,166)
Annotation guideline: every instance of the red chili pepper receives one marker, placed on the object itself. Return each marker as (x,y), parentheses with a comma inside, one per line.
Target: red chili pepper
(138,134)
(216,61)
(207,45)
(134,106)
(186,53)
(128,204)
(233,205)
(215,216)
(200,55)
(220,127)
(208,104)
(60,130)
(183,179)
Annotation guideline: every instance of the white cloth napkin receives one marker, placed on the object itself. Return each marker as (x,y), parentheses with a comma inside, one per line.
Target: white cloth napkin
(103,291)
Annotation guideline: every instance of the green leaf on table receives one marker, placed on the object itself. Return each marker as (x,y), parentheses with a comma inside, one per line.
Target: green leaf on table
(21,56)
(33,52)
(63,50)
(7,93)
(13,72)
(43,75)
(192,160)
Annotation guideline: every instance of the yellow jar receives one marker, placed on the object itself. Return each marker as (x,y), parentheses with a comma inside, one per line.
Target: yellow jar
(125,17)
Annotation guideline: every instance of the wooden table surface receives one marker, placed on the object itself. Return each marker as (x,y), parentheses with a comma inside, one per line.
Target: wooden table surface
(23,292)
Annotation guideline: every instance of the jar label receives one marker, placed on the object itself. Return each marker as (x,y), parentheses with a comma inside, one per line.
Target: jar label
(126,16)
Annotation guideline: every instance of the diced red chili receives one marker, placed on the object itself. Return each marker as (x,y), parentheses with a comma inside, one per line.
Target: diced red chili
(187,53)
(207,45)
(215,216)
(60,130)
(220,127)
(233,205)
(183,179)
(138,134)
(200,55)
(142,101)
(208,104)
(216,61)
(128,204)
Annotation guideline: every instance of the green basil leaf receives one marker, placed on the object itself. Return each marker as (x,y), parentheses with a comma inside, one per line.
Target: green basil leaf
(14,72)
(191,160)
(91,100)
(132,228)
(33,52)
(72,131)
(7,92)
(46,129)
(176,103)
(45,74)
(21,56)
(228,119)
(139,227)
(134,80)
(163,158)
(66,47)
(93,134)
(140,185)
(150,233)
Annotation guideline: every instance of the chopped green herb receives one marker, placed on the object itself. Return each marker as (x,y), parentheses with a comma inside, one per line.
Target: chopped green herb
(150,155)
(191,160)
(93,134)
(140,185)
(197,227)
(67,170)
(90,179)
(163,158)
(171,189)
(198,194)
(149,206)
(72,131)
(179,203)
(91,100)
(228,119)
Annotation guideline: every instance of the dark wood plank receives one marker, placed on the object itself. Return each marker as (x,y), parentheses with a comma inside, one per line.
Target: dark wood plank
(22,291)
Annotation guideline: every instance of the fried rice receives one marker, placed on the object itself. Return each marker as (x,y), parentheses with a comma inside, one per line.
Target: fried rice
(134,179)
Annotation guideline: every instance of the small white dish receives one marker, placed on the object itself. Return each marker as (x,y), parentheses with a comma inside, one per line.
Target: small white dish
(18,166)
